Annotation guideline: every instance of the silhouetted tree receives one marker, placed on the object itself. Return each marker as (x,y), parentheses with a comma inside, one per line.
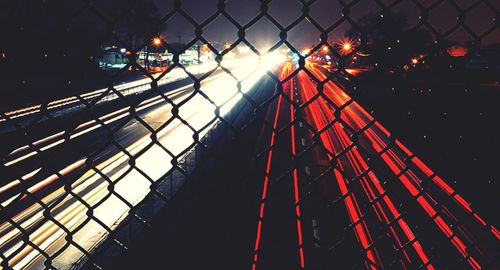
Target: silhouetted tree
(138,21)
(389,39)
(49,48)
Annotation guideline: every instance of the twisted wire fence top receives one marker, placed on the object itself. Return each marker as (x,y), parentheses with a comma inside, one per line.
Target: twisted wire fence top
(113,113)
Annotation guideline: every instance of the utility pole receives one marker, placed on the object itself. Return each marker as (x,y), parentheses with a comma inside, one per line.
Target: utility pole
(198,48)
(179,36)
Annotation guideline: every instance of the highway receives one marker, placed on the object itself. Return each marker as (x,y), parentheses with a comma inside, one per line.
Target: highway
(278,238)
(105,95)
(358,141)
(360,167)
(326,177)
(87,199)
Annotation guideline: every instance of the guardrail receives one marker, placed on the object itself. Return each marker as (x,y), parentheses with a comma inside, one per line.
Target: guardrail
(72,104)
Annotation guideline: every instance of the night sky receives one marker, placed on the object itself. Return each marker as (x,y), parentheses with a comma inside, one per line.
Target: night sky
(50,49)
(47,20)
(325,12)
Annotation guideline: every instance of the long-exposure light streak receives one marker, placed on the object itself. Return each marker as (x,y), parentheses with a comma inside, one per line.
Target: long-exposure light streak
(131,186)
(290,87)
(359,118)
(355,215)
(266,179)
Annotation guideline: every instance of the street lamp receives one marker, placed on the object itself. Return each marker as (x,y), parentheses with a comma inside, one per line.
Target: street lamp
(346,46)
(156,41)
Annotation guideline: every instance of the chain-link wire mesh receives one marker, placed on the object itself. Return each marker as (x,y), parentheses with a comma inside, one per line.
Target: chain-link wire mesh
(316,182)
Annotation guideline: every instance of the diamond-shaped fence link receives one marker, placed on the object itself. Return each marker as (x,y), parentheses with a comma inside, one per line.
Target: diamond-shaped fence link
(322,184)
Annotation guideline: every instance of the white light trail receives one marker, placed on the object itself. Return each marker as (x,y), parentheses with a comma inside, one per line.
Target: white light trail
(92,188)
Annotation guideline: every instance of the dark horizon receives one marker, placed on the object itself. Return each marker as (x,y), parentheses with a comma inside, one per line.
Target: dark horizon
(262,34)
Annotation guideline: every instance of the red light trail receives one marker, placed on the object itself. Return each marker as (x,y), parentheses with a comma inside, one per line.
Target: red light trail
(336,118)
(286,71)
(295,176)
(359,120)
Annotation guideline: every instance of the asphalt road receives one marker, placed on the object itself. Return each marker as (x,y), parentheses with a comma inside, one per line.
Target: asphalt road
(86,197)
(287,190)
(278,199)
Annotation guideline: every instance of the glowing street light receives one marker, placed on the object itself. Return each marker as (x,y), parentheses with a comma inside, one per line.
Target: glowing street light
(156,41)
(414,61)
(244,50)
(346,46)
(325,49)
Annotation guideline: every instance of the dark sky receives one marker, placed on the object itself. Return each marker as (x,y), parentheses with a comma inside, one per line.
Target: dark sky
(325,12)
(44,22)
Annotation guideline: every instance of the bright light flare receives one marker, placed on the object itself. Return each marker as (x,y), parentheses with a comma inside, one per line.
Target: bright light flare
(156,41)
(249,71)
(132,187)
(346,46)
(244,50)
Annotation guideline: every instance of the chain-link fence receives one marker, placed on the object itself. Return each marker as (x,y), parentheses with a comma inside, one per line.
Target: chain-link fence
(233,154)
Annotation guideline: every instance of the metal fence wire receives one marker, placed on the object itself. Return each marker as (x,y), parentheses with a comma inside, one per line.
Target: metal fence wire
(321,185)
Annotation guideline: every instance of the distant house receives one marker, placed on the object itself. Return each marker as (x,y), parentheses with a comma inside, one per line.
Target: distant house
(164,55)
(156,56)
(189,56)
(113,57)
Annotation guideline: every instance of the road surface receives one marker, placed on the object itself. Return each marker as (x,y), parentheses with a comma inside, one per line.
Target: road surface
(88,199)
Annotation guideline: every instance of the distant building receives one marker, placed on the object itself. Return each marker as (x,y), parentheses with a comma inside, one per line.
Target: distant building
(190,55)
(156,56)
(113,57)
(161,56)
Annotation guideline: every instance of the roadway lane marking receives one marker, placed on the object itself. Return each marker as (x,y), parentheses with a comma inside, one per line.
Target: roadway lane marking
(144,105)
(316,233)
(71,213)
(266,180)
(17,182)
(129,86)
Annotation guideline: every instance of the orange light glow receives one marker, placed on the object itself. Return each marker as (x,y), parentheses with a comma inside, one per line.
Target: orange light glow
(414,61)
(156,41)
(457,51)
(306,52)
(325,49)
(346,46)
